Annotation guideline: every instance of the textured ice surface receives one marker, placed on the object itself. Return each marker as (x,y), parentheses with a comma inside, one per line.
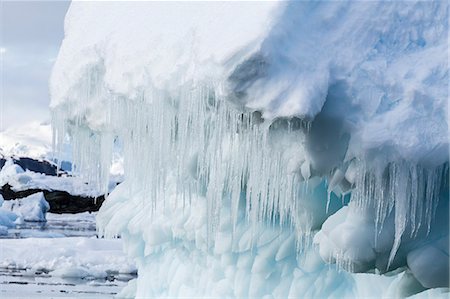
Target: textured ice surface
(66,257)
(7,218)
(21,180)
(247,128)
(30,208)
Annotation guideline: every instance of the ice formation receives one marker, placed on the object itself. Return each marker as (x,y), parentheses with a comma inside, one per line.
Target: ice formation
(21,180)
(7,218)
(262,139)
(30,208)
(72,257)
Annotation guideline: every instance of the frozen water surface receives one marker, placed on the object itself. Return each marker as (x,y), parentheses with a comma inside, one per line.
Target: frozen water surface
(61,258)
(56,226)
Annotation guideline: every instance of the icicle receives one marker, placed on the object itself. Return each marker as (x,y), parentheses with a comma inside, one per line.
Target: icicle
(194,142)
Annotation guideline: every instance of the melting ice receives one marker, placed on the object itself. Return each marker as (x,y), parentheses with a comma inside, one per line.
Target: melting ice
(319,134)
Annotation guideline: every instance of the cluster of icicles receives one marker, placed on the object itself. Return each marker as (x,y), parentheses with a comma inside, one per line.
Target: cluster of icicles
(203,144)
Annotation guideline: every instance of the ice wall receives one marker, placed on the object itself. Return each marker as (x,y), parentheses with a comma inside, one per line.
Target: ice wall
(252,130)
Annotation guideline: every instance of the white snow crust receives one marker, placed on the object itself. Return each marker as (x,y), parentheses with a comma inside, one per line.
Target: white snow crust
(66,257)
(251,130)
(21,180)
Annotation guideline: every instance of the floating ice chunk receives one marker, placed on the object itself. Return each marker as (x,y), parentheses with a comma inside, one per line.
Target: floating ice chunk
(7,218)
(72,272)
(3,230)
(31,208)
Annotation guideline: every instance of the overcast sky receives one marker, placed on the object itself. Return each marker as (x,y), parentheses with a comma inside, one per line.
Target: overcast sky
(31,34)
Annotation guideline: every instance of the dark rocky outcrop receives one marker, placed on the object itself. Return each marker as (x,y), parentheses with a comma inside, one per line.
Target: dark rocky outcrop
(44,167)
(39,166)
(59,201)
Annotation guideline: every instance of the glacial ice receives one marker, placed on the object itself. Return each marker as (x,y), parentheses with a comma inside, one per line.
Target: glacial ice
(30,208)
(7,218)
(261,141)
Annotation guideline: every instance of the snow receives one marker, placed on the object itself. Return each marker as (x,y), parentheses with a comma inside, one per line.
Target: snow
(80,257)
(8,171)
(70,184)
(47,261)
(385,58)
(21,180)
(248,131)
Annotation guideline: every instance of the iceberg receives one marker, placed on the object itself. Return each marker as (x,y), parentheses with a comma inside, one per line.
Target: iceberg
(7,218)
(30,208)
(263,141)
